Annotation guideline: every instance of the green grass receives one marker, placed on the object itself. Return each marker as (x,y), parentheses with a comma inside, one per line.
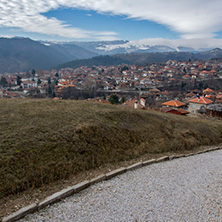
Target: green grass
(42,141)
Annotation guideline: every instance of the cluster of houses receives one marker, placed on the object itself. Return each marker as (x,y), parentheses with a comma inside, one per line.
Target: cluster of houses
(119,77)
(209,102)
(153,82)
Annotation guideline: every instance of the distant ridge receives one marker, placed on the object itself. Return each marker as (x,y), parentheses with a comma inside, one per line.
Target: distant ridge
(97,61)
(21,54)
(143,58)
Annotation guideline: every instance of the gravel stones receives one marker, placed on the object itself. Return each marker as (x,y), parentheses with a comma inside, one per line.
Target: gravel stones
(186,189)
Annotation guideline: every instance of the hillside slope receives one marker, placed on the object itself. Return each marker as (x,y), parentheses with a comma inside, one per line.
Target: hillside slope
(143,58)
(21,54)
(130,58)
(42,141)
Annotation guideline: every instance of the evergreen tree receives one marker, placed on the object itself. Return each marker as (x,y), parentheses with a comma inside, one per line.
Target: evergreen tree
(49,81)
(123,99)
(39,81)
(33,72)
(114,99)
(3,82)
(49,91)
(19,81)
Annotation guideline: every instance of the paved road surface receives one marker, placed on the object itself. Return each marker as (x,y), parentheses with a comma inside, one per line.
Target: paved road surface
(186,189)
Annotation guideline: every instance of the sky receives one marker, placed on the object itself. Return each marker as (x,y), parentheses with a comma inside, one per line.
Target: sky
(96,20)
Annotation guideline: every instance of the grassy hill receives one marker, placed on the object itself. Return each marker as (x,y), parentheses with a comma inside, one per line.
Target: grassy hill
(42,141)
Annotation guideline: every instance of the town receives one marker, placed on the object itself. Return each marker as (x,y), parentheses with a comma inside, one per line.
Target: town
(182,88)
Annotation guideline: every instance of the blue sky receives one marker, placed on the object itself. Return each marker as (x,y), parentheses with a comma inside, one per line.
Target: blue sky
(127,29)
(88,20)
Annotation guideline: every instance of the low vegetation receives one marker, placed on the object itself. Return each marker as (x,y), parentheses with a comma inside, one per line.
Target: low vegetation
(42,141)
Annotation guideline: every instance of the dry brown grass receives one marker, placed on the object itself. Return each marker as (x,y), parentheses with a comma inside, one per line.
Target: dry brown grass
(42,141)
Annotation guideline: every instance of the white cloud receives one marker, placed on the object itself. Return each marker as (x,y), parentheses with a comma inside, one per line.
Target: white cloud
(196,44)
(26,15)
(190,18)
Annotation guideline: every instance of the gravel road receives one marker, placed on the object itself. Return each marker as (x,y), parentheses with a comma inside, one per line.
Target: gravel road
(186,189)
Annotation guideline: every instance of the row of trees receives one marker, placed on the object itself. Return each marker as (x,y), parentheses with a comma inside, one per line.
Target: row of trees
(73,93)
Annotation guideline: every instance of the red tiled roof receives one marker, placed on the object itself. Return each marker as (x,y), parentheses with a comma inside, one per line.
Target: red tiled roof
(201,100)
(210,96)
(204,71)
(174,111)
(208,90)
(183,111)
(174,103)
(154,90)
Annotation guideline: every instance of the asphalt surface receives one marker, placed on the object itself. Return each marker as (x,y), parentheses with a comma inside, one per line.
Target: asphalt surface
(185,189)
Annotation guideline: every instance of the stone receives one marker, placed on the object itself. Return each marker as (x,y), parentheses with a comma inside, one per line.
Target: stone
(148,162)
(56,197)
(98,179)
(161,159)
(134,166)
(115,173)
(81,186)
(21,213)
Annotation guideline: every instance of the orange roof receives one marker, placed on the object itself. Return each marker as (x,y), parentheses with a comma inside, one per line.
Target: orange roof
(174,103)
(210,96)
(201,100)
(204,71)
(154,90)
(208,90)
(183,111)
(175,111)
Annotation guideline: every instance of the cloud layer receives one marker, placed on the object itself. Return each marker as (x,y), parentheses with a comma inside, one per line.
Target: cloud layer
(190,18)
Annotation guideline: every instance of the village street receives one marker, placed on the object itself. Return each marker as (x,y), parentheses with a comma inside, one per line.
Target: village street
(185,189)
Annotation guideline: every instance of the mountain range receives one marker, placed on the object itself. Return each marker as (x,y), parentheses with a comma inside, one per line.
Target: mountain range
(142,58)
(22,54)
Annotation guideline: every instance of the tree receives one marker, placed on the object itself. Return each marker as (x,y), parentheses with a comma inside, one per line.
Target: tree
(3,82)
(49,91)
(124,68)
(33,72)
(18,81)
(123,99)
(49,81)
(39,81)
(114,99)
(57,75)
